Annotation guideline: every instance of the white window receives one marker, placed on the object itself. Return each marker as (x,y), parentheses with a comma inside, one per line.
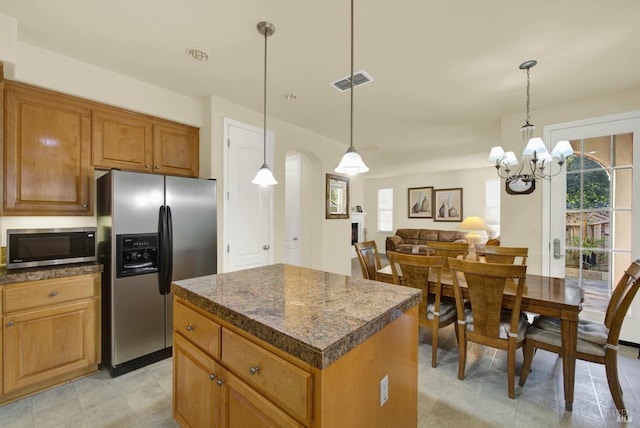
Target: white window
(385,210)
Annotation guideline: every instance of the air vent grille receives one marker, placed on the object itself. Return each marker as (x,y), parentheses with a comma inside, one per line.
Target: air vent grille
(359,78)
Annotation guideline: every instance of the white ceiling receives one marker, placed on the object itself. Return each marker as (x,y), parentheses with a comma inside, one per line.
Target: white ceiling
(445,72)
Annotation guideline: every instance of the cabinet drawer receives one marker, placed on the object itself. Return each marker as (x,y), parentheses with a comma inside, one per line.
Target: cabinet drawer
(278,380)
(34,294)
(199,329)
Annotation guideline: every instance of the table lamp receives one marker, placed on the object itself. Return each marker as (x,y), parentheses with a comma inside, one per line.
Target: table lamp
(473,223)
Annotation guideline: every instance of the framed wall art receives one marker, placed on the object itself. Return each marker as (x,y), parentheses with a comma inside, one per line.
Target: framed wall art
(420,202)
(337,196)
(447,204)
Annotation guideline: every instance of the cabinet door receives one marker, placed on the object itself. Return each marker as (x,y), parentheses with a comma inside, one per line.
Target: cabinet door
(122,140)
(244,407)
(47,153)
(175,149)
(196,395)
(45,343)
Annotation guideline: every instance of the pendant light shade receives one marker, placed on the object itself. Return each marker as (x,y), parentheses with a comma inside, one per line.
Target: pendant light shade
(351,162)
(265,177)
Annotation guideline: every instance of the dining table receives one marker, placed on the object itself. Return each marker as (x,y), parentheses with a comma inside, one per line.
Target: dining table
(542,295)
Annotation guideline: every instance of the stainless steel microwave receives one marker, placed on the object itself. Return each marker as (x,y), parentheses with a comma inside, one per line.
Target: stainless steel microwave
(47,247)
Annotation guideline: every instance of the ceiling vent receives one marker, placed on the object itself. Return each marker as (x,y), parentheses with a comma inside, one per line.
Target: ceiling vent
(359,78)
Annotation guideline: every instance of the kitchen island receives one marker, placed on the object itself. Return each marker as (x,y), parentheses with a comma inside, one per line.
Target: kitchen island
(283,345)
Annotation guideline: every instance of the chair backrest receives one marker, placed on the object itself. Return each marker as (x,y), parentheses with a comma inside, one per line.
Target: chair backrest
(620,301)
(416,271)
(415,268)
(507,255)
(486,283)
(448,249)
(369,258)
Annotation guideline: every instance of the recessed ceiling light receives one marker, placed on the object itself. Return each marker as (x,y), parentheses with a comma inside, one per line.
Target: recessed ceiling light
(197,54)
(289,96)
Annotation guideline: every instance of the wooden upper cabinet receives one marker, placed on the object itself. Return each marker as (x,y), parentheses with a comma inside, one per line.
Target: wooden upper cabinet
(135,142)
(122,140)
(47,153)
(175,149)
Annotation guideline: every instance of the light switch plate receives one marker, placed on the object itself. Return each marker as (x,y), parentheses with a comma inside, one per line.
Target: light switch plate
(384,390)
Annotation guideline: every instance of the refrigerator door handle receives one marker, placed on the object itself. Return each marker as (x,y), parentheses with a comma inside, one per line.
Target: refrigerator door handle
(169,269)
(162,274)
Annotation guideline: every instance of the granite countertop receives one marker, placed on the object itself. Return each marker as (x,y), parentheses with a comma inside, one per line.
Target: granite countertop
(313,315)
(14,276)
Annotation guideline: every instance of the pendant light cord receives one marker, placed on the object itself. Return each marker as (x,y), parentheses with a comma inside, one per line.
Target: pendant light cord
(351,80)
(264,106)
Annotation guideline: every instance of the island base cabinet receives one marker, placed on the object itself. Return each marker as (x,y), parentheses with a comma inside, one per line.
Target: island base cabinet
(206,395)
(196,397)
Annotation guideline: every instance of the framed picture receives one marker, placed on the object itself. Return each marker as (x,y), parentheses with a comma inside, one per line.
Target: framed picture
(337,196)
(420,202)
(447,204)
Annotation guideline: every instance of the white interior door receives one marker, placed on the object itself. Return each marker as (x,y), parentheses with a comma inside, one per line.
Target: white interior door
(248,208)
(292,213)
(624,235)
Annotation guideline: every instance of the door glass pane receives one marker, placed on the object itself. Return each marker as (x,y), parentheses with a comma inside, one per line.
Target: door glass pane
(598,149)
(623,149)
(622,230)
(623,187)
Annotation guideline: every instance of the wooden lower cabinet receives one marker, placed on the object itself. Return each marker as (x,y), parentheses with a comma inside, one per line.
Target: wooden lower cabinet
(209,396)
(50,333)
(234,380)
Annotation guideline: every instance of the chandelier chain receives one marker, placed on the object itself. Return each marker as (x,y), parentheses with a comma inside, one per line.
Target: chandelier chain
(528,96)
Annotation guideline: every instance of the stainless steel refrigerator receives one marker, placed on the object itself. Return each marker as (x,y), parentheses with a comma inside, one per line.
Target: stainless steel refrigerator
(152,229)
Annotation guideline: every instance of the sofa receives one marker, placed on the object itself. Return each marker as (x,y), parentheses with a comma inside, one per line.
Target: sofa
(405,240)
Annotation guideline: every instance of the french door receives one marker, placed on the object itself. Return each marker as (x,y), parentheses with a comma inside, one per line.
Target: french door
(591,214)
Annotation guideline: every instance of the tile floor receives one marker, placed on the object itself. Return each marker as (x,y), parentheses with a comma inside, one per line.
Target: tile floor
(143,398)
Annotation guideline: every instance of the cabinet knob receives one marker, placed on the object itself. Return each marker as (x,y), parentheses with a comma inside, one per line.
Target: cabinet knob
(54,293)
(212,376)
(147,166)
(157,166)
(190,327)
(219,382)
(254,370)
(84,205)
(10,324)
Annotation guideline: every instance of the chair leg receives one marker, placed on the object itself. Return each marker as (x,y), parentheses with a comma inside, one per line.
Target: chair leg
(611,366)
(528,350)
(434,342)
(462,349)
(511,367)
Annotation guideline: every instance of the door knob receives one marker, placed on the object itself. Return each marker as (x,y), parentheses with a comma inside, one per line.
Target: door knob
(556,248)
(266,247)
(295,238)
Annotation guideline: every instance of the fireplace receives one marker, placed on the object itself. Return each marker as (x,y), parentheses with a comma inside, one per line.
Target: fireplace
(357,230)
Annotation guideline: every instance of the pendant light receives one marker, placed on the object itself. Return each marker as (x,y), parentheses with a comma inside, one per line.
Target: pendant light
(265,177)
(351,162)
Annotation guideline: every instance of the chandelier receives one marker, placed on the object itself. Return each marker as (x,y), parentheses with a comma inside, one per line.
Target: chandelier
(351,162)
(536,159)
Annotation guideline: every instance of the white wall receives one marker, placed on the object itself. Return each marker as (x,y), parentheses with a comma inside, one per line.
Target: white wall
(472,181)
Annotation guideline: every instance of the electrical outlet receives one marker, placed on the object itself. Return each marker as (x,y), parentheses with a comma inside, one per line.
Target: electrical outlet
(384,390)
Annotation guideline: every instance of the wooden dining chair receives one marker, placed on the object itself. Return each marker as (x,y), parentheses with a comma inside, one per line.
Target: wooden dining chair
(434,310)
(508,255)
(597,342)
(488,323)
(448,249)
(369,258)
